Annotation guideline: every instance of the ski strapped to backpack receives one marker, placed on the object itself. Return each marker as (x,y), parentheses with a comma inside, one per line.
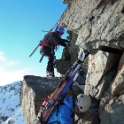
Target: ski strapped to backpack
(53,100)
(42,40)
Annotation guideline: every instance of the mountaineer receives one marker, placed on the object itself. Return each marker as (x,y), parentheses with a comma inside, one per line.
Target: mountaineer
(48,46)
(64,113)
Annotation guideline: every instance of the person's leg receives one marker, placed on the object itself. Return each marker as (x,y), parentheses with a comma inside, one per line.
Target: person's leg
(50,67)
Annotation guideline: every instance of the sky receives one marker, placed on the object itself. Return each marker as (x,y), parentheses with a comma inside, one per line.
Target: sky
(21,25)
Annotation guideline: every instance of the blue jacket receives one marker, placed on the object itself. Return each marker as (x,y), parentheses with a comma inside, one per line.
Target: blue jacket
(64,113)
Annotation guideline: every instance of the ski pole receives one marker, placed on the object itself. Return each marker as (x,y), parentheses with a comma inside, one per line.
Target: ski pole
(42,40)
(41,58)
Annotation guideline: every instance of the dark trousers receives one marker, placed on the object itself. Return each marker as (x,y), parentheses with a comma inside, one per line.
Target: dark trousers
(48,53)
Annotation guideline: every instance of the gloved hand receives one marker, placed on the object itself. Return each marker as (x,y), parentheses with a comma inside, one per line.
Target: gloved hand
(66,42)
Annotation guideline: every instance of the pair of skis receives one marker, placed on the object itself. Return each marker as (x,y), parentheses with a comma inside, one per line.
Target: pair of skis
(52,101)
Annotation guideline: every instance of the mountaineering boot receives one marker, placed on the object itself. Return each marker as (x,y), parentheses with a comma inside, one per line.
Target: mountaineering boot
(50,74)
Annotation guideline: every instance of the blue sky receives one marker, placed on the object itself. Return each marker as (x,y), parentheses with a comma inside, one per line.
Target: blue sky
(21,25)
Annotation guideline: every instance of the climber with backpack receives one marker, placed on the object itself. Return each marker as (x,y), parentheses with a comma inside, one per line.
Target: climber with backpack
(64,112)
(48,46)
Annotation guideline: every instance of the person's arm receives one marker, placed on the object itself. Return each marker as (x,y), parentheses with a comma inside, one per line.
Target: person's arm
(59,40)
(63,42)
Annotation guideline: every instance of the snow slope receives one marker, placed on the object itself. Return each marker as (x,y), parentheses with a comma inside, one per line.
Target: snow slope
(10,109)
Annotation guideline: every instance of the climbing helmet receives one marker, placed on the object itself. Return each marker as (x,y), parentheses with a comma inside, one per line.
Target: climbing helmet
(83,102)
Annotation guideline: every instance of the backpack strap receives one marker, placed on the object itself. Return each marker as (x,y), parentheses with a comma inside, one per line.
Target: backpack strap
(44,44)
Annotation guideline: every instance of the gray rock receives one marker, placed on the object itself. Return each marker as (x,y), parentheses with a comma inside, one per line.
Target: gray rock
(118,83)
(113,111)
(34,90)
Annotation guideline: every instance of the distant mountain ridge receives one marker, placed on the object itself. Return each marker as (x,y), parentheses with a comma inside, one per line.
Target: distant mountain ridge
(10,109)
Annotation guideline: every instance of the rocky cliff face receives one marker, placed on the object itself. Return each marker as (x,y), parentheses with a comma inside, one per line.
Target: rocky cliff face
(96,26)
(97,22)
(99,25)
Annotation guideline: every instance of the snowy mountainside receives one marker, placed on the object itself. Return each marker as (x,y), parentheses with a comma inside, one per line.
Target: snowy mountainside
(10,108)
